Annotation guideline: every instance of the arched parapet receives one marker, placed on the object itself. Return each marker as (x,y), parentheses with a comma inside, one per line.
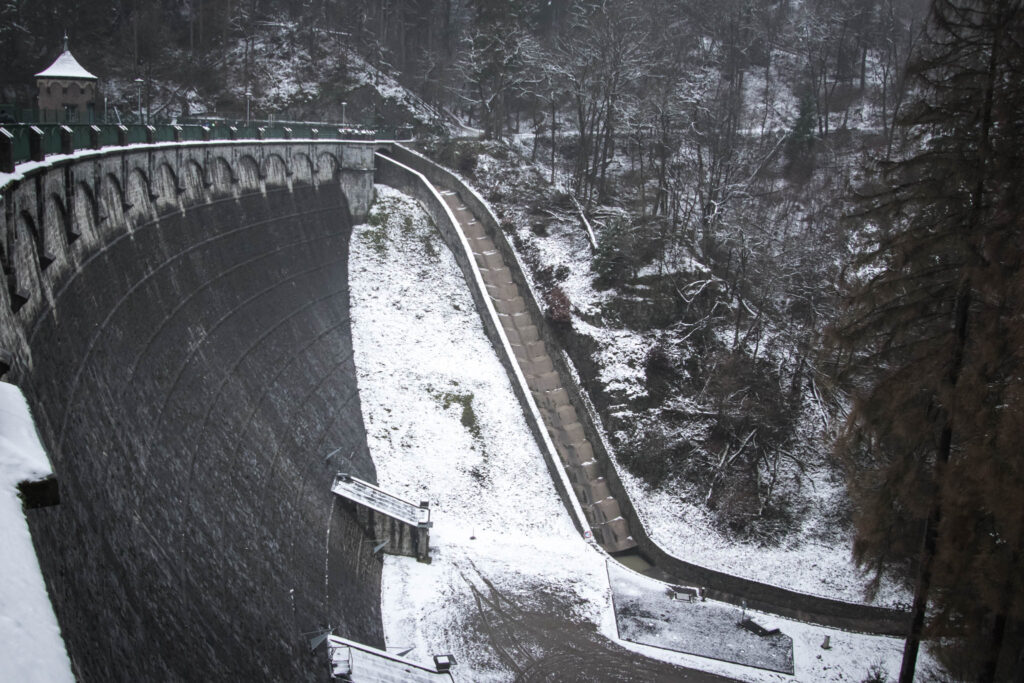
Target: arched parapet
(274,170)
(57,233)
(248,172)
(138,198)
(111,206)
(57,214)
(327,166)
(302,168)
(191,182)
(22,267)
(220,176)
(166,188)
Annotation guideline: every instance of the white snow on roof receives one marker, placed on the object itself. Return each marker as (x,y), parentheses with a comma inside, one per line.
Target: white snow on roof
(365,493)
(65,66)
(352,661)
(31,647)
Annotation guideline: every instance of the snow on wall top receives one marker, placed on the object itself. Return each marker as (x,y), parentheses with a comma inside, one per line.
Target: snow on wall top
(65,66)
(31,647)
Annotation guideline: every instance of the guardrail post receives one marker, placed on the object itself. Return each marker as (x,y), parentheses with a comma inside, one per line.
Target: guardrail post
(287,133)
(150,135)
(204,133)
(35,144)
(314,133)
(261,133)
(6,151)
(232,133)
(177,132)
(94,137)
(122,135)
(67,140)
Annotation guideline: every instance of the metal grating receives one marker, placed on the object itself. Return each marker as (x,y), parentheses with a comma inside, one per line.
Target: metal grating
(370,496)
(358,663)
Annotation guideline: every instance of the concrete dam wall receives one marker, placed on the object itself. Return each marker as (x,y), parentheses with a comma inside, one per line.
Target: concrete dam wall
(178,319)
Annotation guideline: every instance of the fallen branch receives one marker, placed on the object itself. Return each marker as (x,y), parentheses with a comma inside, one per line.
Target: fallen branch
(586,224)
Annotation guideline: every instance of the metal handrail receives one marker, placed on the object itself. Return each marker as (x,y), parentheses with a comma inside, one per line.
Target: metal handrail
(16,143)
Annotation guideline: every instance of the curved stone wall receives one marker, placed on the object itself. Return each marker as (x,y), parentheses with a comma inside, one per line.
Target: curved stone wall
(180,328)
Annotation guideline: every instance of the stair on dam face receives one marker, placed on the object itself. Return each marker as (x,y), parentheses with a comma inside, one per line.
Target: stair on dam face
(560,418)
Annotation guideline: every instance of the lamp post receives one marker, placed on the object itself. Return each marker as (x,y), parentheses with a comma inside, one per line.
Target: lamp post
(138,82)
(247,96)
(343,121)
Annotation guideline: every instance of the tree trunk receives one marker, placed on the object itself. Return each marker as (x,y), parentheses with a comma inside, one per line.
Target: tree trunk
(931,532)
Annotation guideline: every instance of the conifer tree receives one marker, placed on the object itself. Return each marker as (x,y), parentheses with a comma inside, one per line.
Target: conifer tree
(934,329)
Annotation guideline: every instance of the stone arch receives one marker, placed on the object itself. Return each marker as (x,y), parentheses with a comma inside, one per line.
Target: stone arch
(221,175)
(111,203)
(190,178)
(137,197)
(275,170)
(166,188)
(248,172)
(34,233)
(302,167)
(57,228)
(327,166)
(22,265)
(83,212)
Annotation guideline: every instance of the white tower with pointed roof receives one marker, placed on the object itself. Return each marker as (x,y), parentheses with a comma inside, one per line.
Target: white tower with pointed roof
(67,92)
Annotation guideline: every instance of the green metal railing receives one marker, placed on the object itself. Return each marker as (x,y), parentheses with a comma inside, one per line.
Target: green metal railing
(52,137)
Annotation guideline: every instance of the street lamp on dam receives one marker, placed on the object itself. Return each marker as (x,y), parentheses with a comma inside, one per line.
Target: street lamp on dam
(138,82)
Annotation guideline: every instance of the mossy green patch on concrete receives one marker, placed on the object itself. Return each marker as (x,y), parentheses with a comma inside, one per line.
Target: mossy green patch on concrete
(465,400)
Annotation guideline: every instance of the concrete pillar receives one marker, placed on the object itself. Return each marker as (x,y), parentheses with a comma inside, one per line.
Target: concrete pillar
(422,540)
(122,135)
(35,144)
(67,140)
(94,137)
(6,151)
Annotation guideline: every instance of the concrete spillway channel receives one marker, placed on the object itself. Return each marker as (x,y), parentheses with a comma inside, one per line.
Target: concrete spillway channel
(589,484)
(583,473)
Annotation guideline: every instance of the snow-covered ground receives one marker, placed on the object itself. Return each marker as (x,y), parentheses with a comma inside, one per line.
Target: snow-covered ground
(31,647)
(443,425)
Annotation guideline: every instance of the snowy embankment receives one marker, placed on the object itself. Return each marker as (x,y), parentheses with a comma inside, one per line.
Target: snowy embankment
(31,647)
(444,425)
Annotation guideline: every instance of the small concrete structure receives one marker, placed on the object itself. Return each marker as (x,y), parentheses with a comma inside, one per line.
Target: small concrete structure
(400,527)
(67,92)
(358,663)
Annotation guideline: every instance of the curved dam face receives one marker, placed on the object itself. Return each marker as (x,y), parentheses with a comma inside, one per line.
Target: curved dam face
(189,373)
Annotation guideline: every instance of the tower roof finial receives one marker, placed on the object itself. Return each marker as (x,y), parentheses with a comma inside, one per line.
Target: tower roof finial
(65,40)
